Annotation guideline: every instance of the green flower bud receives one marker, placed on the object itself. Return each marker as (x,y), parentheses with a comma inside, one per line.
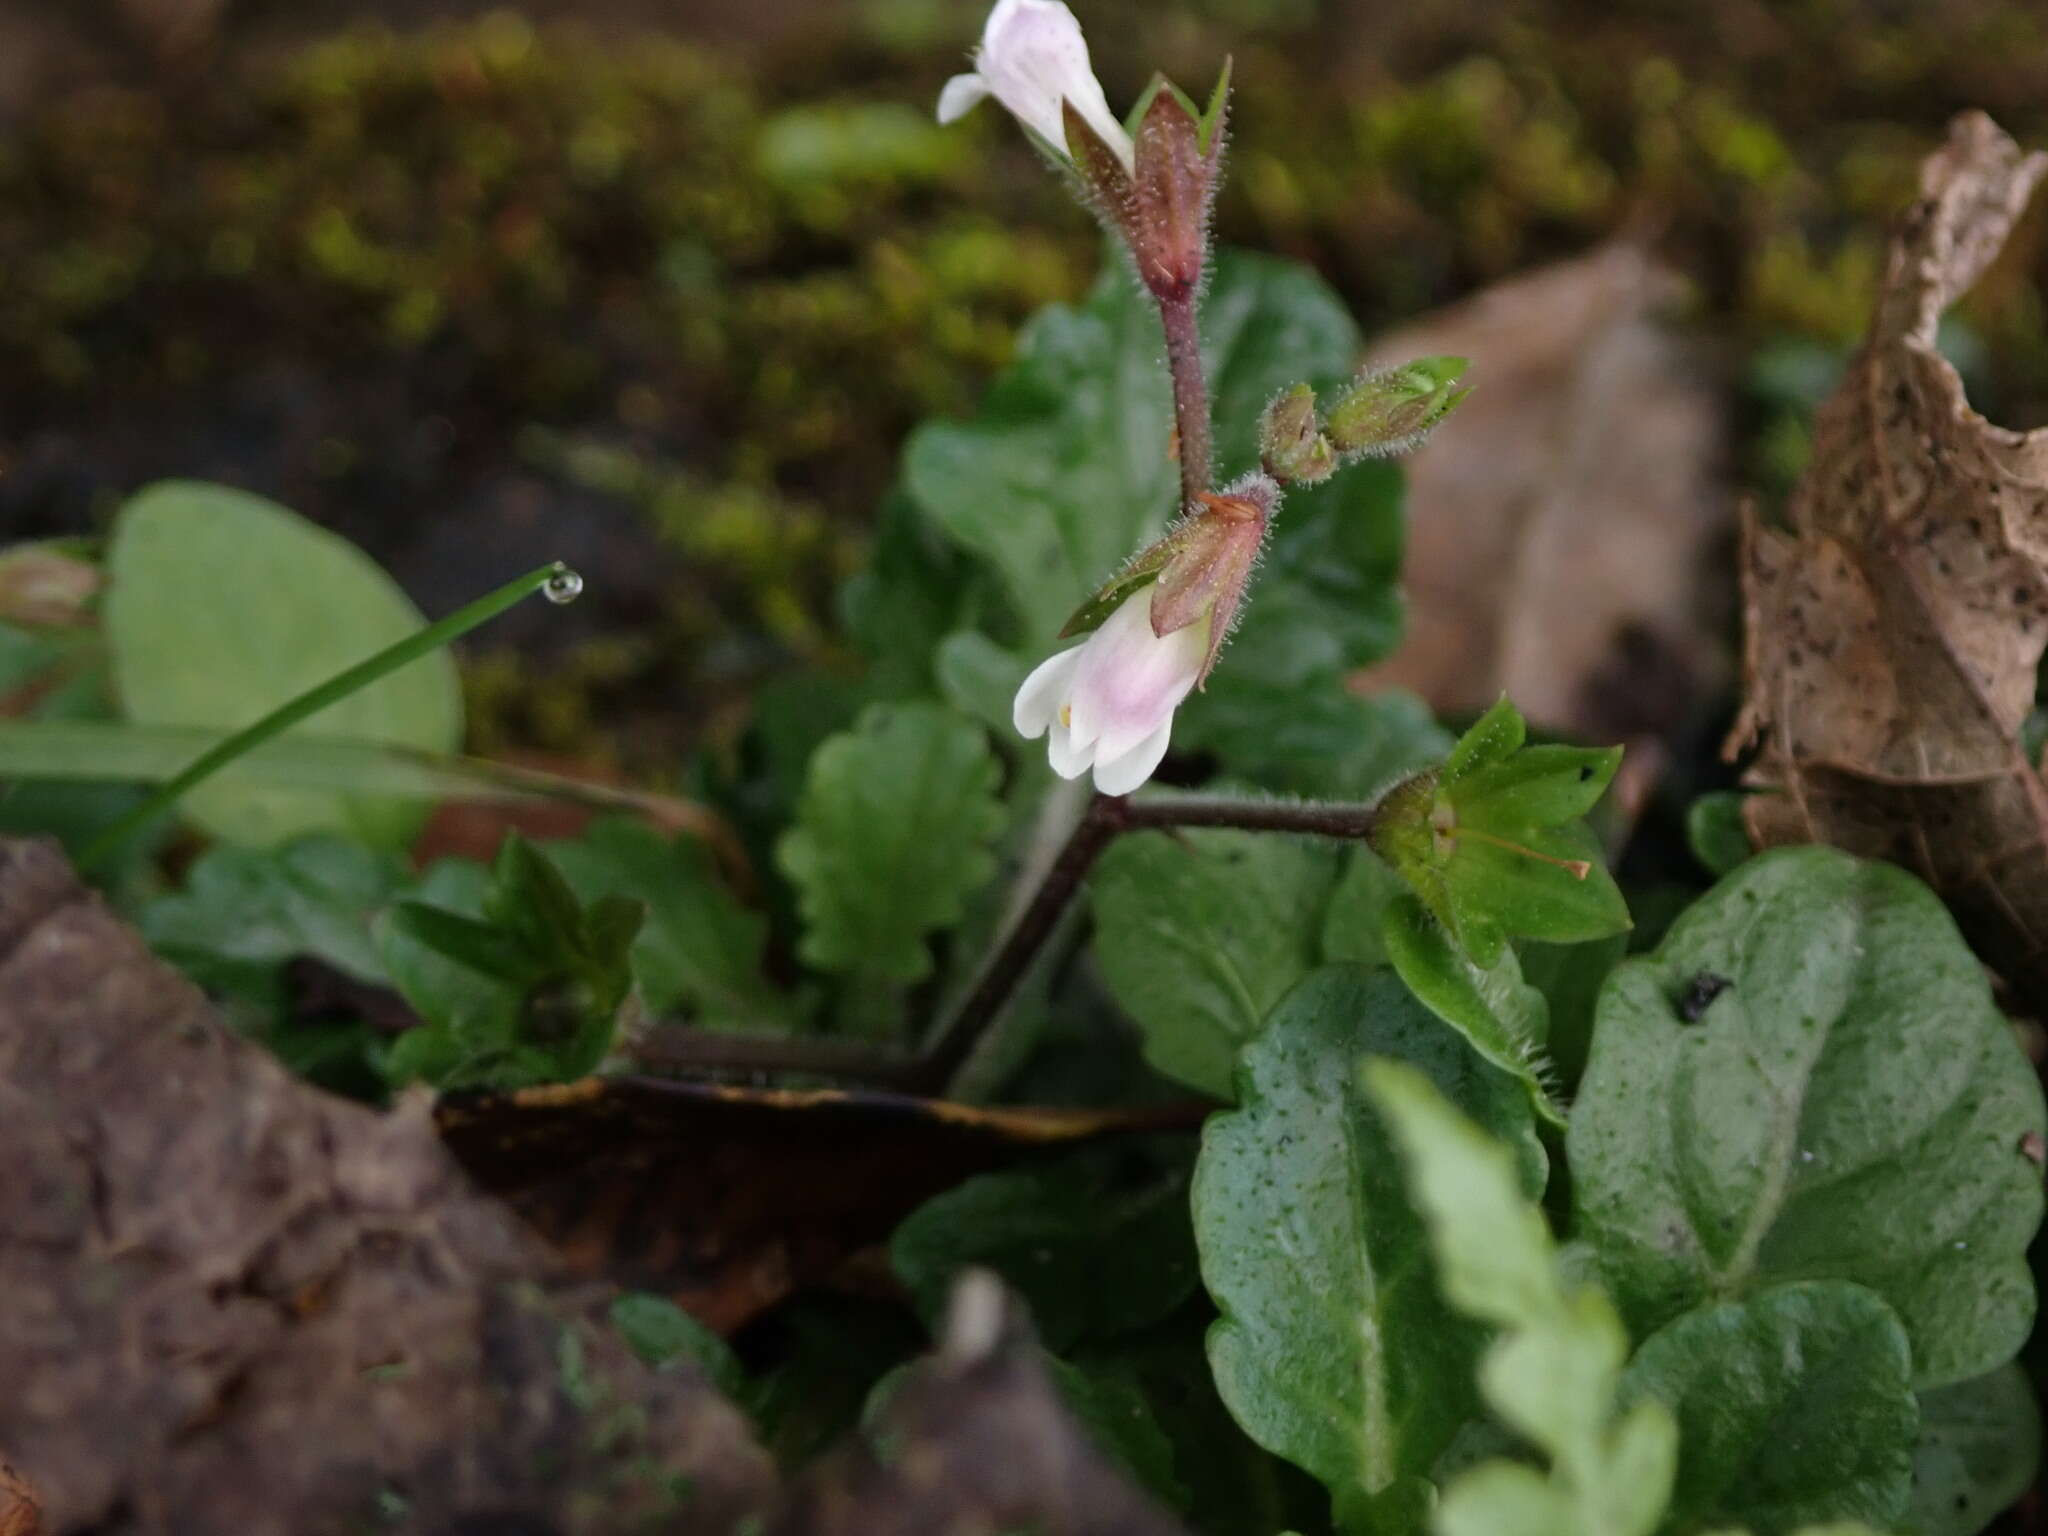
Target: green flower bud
(1392,410)
(1291,449)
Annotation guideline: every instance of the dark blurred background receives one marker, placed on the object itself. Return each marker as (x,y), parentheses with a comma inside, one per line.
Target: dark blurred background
(658,287)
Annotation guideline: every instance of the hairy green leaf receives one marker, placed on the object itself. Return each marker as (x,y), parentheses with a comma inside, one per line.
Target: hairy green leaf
(1980,1447)
(893,834)
(1808,1079)
(1199,934)
(221,606)
(1793,1406)
(1335,1349)
(1506,1020)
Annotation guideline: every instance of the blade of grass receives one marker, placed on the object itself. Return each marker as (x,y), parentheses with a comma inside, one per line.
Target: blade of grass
(315,699)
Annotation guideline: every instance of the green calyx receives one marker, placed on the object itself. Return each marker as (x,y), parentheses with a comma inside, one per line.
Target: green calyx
(1494,845)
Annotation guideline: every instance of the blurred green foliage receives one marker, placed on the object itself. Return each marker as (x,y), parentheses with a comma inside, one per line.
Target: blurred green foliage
(485,288)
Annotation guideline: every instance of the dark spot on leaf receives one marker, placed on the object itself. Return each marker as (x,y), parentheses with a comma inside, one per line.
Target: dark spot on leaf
(1699,996)
(1585,772)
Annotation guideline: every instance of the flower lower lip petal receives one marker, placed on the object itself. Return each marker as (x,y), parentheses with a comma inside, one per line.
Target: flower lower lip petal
(1121,775)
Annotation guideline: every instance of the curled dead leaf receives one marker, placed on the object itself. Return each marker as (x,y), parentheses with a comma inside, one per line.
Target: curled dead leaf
(1895,628)
(1559,524)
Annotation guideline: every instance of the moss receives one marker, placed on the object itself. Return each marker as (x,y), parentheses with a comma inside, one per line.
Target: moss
(697,305)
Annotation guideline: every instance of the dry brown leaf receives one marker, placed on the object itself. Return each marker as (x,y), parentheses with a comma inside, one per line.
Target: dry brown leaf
(19,1507)
(1558,523)
(235,1303)
(1896,630)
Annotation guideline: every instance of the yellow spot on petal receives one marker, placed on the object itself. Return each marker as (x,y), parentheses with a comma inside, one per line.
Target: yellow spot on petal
(1067,716)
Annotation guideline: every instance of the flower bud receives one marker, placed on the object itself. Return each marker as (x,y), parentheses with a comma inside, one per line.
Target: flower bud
(1392,410)
(1291,449)
(1215,549)
(1173,185)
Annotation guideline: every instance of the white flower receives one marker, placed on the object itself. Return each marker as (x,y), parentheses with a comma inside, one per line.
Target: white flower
(1032,57)
(1108,702)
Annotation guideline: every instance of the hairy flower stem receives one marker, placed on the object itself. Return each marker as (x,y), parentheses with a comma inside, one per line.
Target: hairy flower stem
(1190,393)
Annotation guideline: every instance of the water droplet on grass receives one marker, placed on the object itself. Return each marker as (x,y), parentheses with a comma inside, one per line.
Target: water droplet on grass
(564,586)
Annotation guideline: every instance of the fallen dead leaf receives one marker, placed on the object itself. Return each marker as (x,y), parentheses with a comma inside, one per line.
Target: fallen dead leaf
(1895,629)
(786,1185)
(1560,522)
(235,1303)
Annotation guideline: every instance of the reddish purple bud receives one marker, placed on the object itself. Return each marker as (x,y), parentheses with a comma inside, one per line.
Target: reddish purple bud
(1172,187)
(1215,548)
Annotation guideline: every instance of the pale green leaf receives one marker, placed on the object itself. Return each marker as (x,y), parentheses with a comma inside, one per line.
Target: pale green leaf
(221,606)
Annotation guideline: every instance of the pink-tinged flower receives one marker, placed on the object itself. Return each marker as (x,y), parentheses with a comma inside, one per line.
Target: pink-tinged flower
(1108,702)
(1032,57)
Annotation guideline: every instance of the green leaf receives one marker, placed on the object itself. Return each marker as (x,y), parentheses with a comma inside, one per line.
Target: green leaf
(1503,1018)
(1793,1407)
(1354,921)
(1267,322)
(1492,738)
(113,751)
(1113,1413)
(314,897)
(1234,1484)
(980,678)
(222,606)
(660,1332)
(1199,935)
(1094,1252)
(1980,1446)
(1064,472)
(1326,598)
(1335,1349)
(893,834)
(1553,1372)
(1809,1079)
(1538,786)
(1320,740)
(916,589)
(1716,832)
(700,950)
(517,981)
(1570,977)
